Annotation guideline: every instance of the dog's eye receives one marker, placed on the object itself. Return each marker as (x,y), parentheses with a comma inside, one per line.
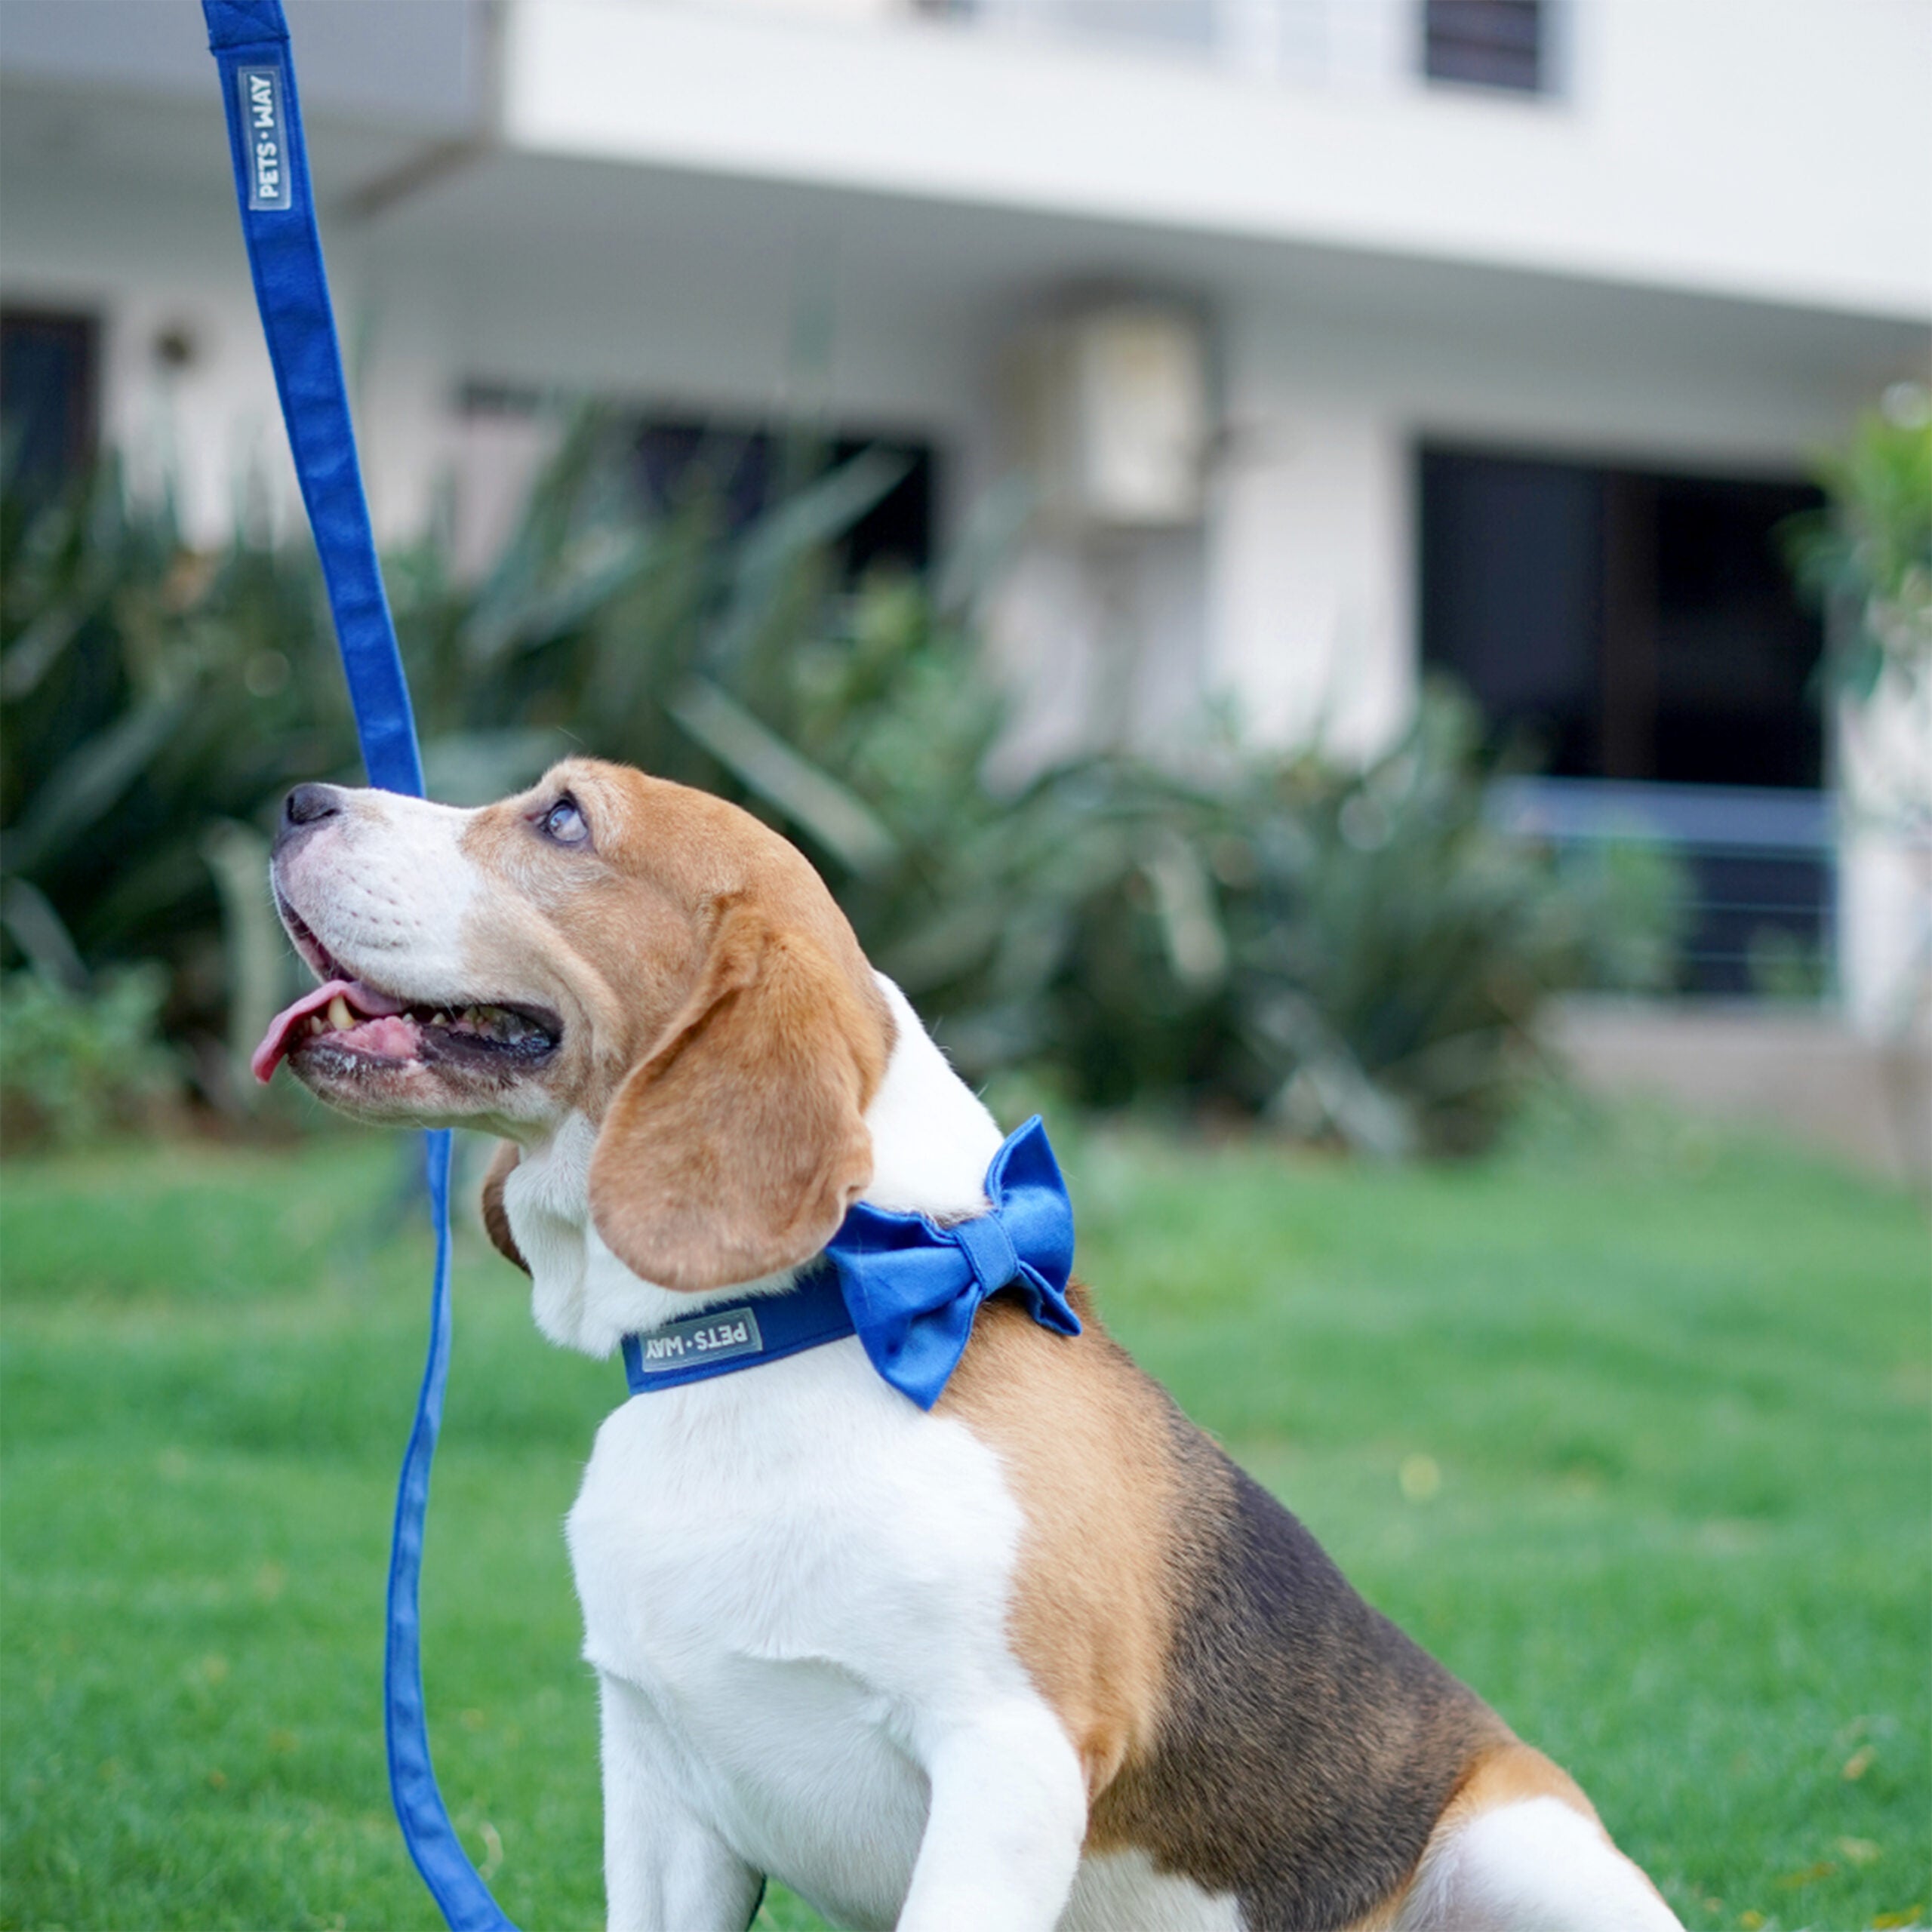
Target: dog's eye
(565,823)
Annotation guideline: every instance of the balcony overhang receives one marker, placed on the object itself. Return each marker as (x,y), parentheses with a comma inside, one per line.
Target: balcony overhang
(695,169)
(948,116)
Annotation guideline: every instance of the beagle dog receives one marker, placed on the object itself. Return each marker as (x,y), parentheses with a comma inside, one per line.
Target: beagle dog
(1038,1656)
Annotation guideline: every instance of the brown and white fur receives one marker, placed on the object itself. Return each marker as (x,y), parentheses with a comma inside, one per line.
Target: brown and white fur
(1042,1658)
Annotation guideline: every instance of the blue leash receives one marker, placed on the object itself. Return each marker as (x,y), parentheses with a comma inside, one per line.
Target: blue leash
(249,39)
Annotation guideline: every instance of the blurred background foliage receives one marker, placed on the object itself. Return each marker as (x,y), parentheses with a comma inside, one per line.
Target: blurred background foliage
(75,1067)
(1866,553)
(1355,951)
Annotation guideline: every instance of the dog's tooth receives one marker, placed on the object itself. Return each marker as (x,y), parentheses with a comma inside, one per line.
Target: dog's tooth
(340,1018)
(316,1024)
(439,1019)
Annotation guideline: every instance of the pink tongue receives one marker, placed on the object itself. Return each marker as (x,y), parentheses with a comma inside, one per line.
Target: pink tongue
(275,1042)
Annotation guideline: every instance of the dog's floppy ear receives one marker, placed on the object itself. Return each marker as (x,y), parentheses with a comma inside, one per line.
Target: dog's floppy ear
(734,1149)
(496,1223)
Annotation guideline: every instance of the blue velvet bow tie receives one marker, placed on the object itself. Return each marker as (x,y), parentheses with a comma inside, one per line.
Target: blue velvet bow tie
(912,1288)
(906,1286)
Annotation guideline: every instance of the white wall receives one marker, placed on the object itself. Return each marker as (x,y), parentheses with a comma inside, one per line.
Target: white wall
(1103,642)
(1767,147)
(1296,597)
(724,321)
(732,281)
(1885,907)
(144,267)
(1310,610)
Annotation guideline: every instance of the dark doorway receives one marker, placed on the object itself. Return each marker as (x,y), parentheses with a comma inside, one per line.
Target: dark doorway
(1637,628)
(1633,625)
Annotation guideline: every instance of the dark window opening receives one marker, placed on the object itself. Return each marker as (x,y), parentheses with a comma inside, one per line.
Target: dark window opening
(1733,654)
(752,469)
(1629,625)
(1485,43)
(49,365)
(1633,626)
(749,468)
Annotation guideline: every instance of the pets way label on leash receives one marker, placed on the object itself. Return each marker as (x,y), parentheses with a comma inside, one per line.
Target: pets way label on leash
(264,135)
(700,1338)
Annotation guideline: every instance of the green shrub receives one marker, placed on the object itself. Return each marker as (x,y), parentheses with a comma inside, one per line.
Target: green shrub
(150,694)
(73,1065)
(1357,951)
(1866,555)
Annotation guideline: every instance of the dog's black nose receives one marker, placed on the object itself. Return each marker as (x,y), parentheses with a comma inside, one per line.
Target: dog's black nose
(307,805)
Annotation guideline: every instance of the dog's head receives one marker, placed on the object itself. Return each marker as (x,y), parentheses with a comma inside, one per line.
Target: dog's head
(607,945)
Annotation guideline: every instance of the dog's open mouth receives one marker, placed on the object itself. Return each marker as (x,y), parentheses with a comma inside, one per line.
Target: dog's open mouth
(344,1025)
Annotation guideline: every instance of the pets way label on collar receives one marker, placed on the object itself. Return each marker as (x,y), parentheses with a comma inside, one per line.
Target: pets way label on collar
(715,1337)
(264,134)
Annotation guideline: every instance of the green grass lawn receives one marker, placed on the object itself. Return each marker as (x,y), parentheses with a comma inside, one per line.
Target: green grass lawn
(1632,1431)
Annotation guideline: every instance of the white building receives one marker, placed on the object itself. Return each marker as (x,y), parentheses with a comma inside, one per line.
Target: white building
(1356,333)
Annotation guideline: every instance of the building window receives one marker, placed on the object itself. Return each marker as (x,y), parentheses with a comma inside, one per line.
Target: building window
(1633,625)
(746,467)
(1636,634)
(49,395)
(742,469)
(1486,43)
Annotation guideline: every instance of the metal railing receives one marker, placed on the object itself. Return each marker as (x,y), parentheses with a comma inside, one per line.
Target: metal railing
(1759,866)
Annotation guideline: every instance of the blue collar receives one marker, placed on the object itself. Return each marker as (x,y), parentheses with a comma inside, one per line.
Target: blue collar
(906,1286)
(763,1328)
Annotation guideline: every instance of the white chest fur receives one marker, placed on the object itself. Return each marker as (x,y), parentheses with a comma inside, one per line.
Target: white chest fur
(797,1569)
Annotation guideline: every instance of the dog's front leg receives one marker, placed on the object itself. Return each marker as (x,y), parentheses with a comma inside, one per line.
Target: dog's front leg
(665,1870)
(1003,1836)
